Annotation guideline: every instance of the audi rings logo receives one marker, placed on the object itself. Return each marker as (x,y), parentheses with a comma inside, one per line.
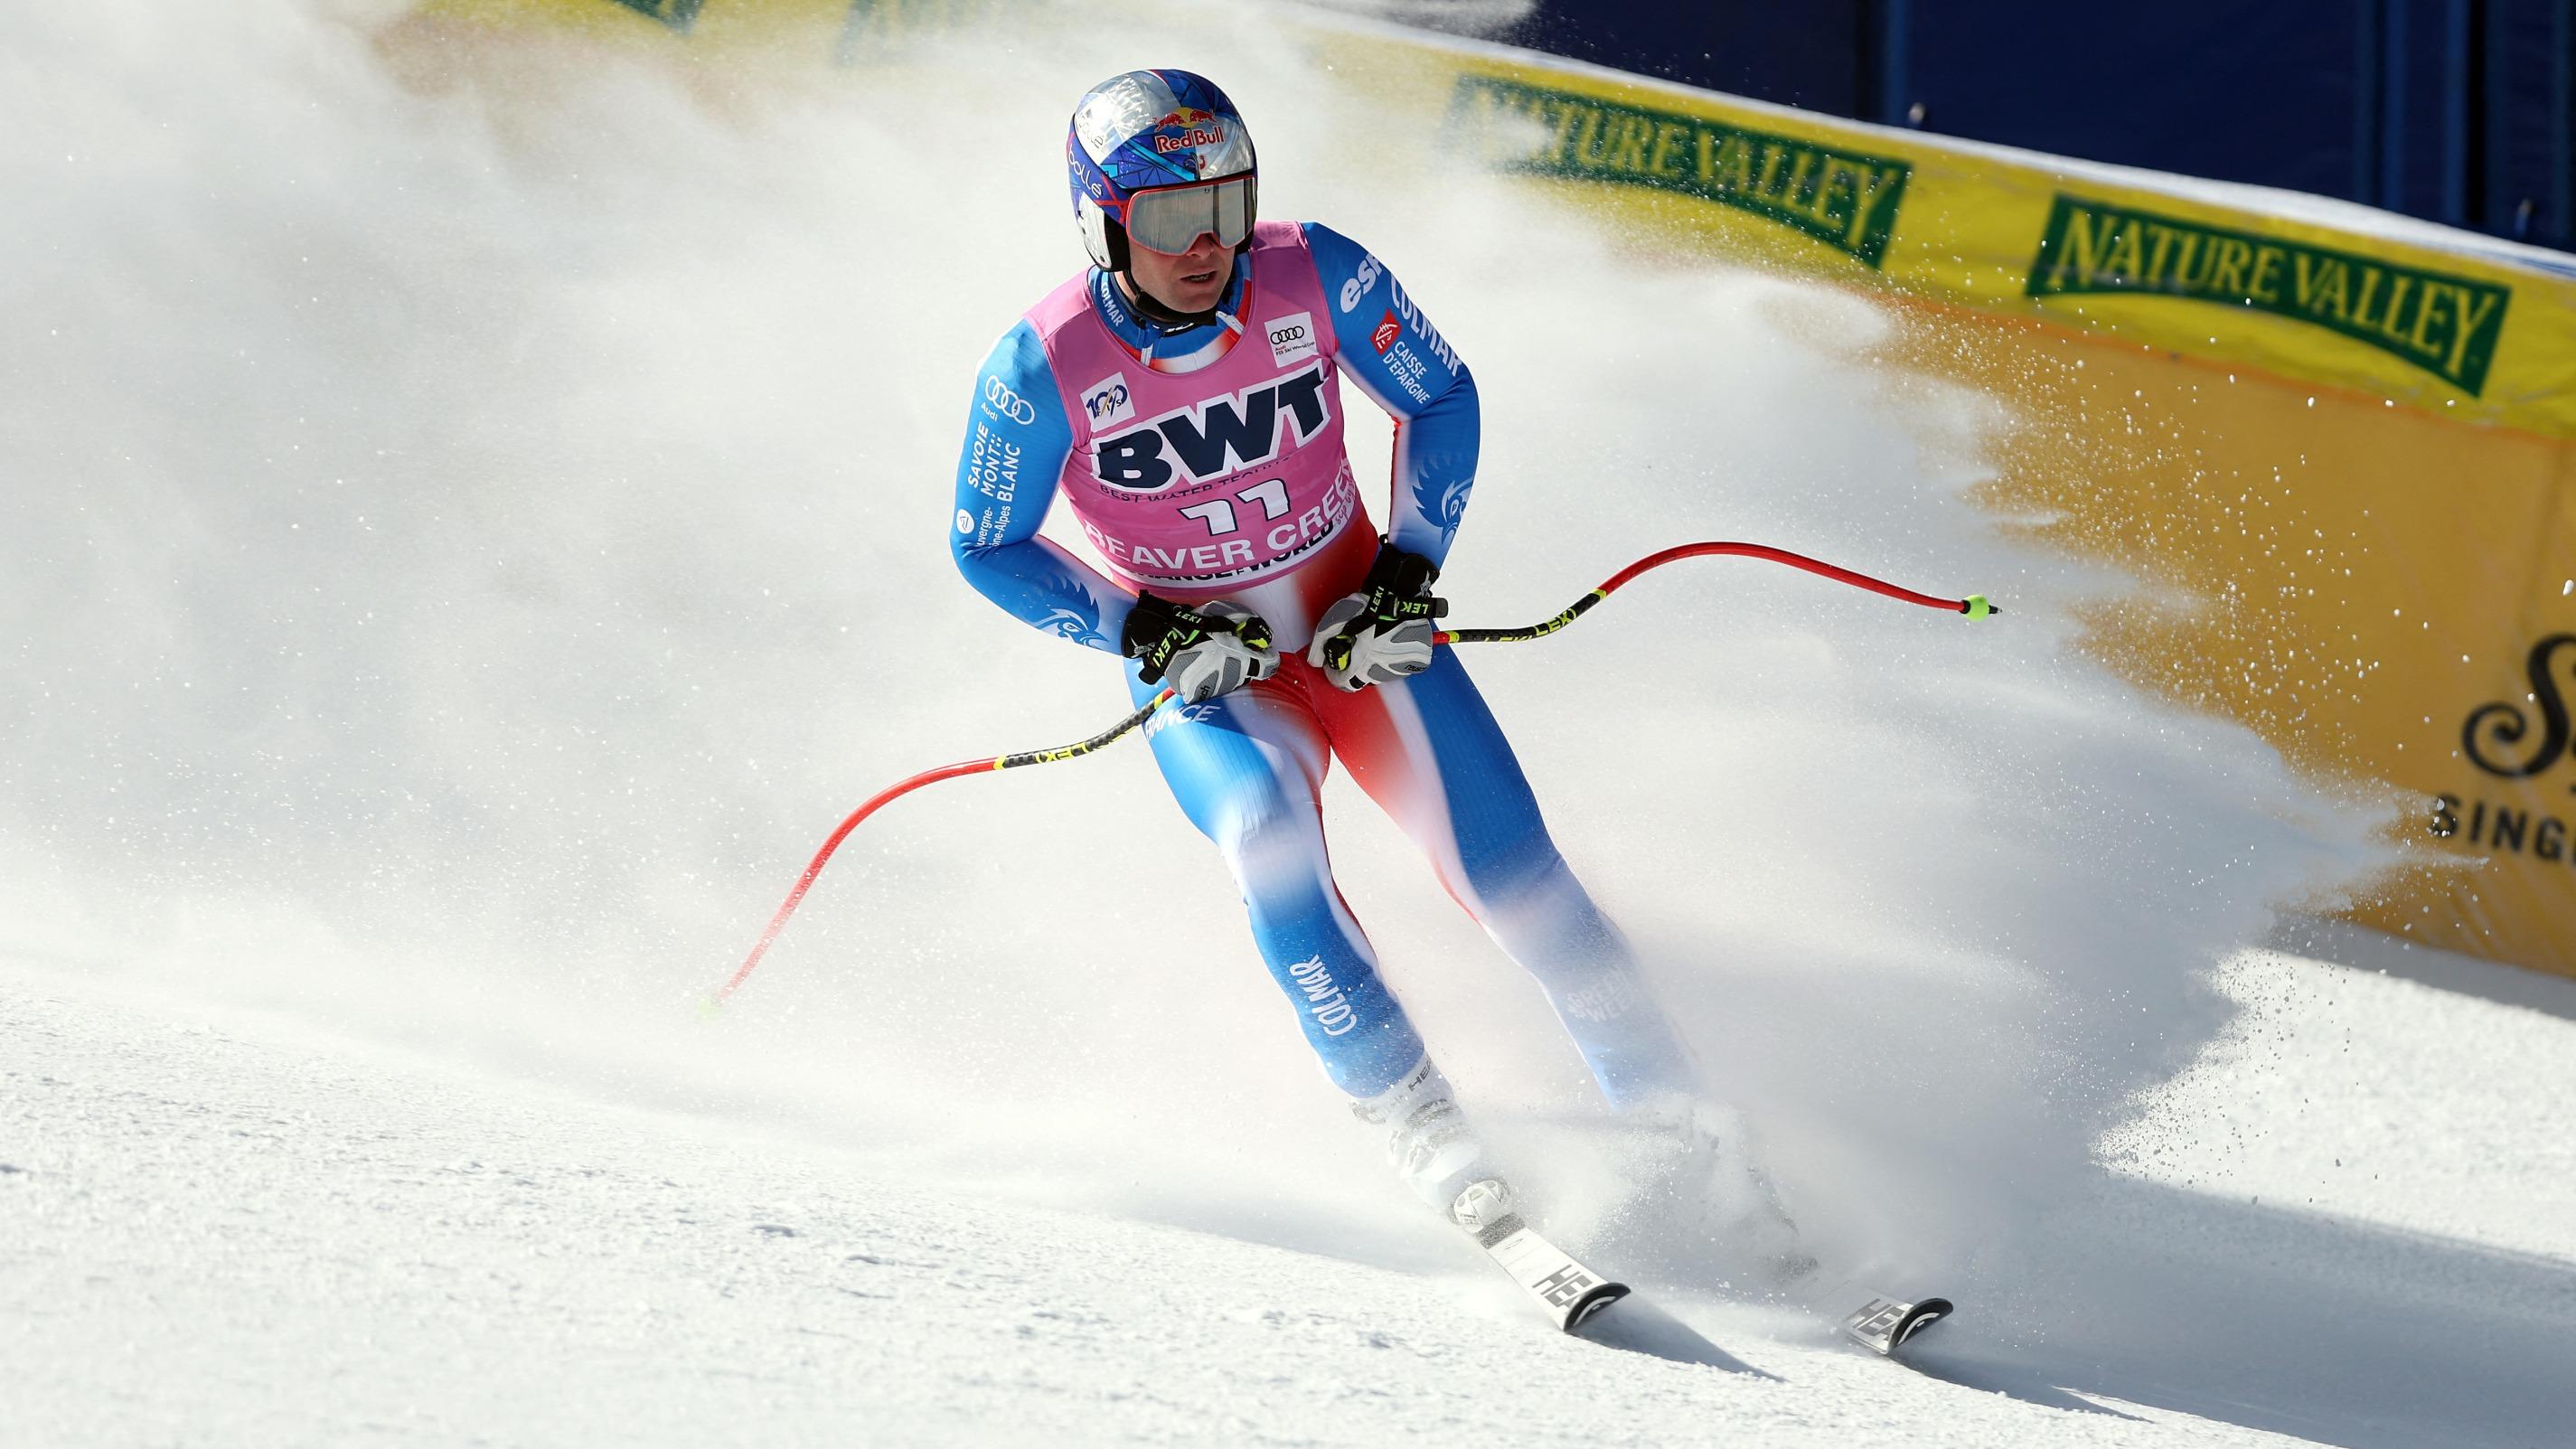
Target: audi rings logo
(1292,339)
(1011,404)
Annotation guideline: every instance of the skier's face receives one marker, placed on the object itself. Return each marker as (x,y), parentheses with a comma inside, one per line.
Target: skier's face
(1189,281)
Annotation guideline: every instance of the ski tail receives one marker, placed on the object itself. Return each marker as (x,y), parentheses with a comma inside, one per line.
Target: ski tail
(1565,1290)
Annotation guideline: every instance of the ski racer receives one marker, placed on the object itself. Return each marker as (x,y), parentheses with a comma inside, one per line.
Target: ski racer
(1181,394)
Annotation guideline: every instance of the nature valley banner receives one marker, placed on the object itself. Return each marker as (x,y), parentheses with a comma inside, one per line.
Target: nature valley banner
(1841,196)
(2442,322)
(2348,453)
(1986,229)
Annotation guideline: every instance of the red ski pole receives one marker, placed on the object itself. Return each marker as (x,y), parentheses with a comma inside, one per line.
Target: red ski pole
(896,791)
(1974,606)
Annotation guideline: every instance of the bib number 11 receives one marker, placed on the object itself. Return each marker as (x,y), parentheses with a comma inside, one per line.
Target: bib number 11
(1218,513)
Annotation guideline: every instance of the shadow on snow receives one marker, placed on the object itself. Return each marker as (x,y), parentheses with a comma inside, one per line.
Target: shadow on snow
(2290,1322)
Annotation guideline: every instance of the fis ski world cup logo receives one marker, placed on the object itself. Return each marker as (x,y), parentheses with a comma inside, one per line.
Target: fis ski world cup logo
(1108,401)
(1187,129)
(2502,739)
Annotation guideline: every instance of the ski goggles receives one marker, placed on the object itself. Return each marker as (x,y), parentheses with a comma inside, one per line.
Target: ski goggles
(1171,219)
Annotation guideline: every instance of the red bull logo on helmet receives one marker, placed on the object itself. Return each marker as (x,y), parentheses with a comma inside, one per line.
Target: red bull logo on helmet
(1186,128)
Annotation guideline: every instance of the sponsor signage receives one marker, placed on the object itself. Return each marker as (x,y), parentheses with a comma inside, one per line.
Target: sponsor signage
(677,14)
(1292,339)
(1843,197)
(993,467)
(1215,438)
(1362,280)
(2515,740)
(1187,129)
(1001,401)
(2444,323)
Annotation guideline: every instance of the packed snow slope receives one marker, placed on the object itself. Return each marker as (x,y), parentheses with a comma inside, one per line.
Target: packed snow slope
(226,1228)
(475,520)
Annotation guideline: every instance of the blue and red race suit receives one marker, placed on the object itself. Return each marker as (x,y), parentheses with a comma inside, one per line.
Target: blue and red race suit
(1206,464)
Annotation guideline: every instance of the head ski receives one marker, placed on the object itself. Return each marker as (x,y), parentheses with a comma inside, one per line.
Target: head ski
(1565,1290)
(1884,1323)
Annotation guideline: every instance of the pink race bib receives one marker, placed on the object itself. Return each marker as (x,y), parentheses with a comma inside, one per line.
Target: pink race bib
(1201,484)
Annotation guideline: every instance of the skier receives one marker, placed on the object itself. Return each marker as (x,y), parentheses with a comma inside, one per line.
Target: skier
(1181,394)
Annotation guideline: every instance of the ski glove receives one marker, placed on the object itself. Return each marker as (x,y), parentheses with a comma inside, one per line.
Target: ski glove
(1200,655)
(1384,632)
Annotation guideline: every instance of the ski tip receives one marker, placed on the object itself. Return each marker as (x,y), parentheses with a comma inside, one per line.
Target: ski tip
(1925,1314)
(1884,1324)
(1590,1304)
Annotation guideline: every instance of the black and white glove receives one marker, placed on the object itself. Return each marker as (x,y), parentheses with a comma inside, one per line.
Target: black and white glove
(1385,631)
(1200,654)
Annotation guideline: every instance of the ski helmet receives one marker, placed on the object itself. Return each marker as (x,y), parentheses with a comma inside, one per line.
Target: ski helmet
(1160,156)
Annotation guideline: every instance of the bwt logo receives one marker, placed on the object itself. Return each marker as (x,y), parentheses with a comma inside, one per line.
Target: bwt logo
(1010,404)
(1210,439)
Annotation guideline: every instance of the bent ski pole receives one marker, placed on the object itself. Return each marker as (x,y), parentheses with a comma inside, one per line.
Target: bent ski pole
(901,788)
(1974,606)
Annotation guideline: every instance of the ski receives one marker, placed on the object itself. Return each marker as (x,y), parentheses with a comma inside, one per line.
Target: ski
(1565,1290)
(1885,1324)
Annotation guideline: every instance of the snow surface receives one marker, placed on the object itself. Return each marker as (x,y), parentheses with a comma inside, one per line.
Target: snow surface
(469,535)
(228,1228)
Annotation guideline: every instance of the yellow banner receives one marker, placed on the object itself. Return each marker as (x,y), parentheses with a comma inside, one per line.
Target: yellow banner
(2350,452)
(838,31)
(2449,331)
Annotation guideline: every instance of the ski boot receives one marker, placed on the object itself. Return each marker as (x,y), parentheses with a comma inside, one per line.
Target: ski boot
(1428,1141)
(1702,1176)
